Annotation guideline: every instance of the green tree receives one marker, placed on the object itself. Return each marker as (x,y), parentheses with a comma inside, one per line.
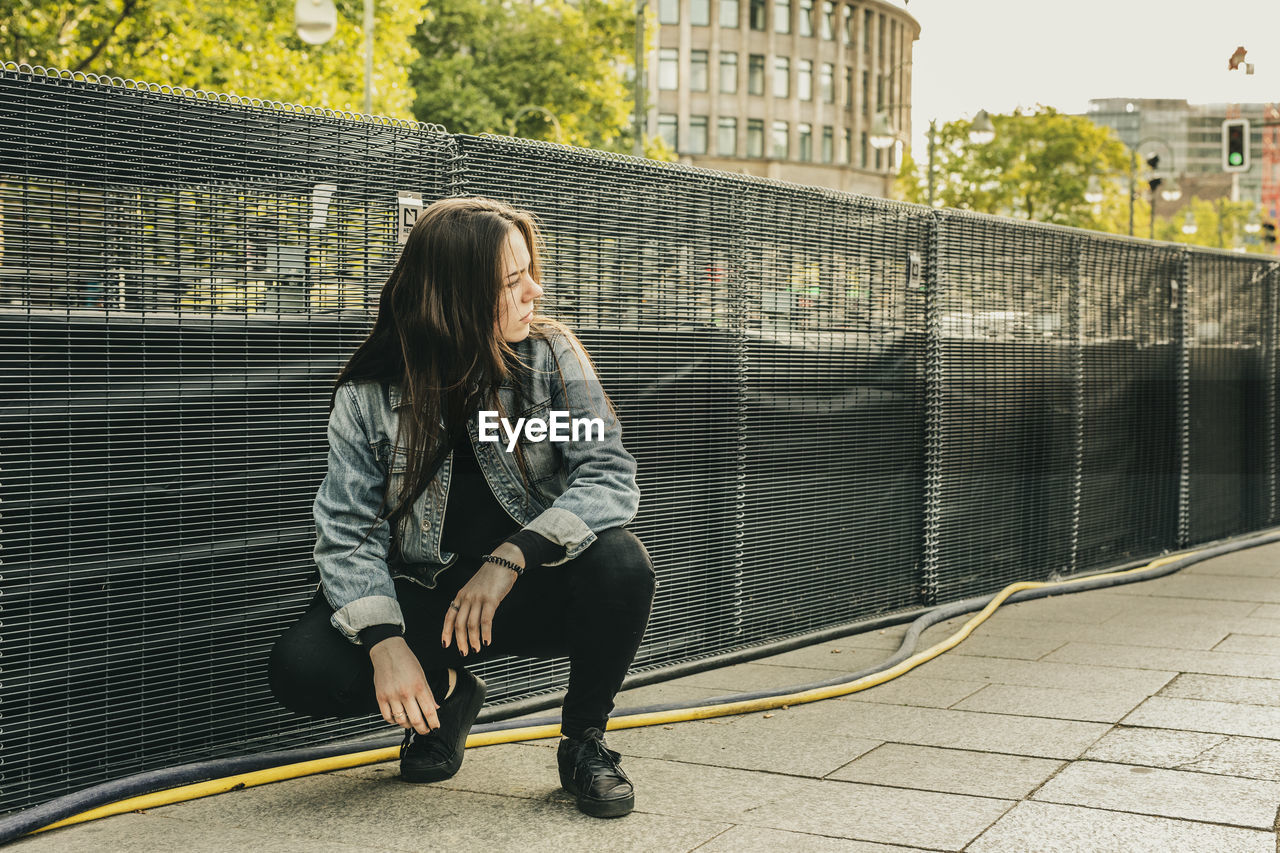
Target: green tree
(1038,167)
(248,49)
(496,67)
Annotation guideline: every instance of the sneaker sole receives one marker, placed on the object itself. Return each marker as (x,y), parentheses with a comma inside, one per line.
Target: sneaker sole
(607,808)
(598,808)
(440,772)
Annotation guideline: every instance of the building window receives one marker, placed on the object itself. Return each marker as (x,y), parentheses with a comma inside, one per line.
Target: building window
(755,74)
(806,141)
(804,79)
(727,138)
(669,68)
(879,92)
(805,21)
(667,129)
(866,93)
(700,13)
(848,24)
(668,11)
(848,86)
(863,159)
(697,134)
(755,137)
(782,16)
(827,83)
(729,72)
(698,70)
(848,147)
(867,18)
(729,14)
(828,144)
(781,77)
(757,15)
(879,158)
(780,140)
(880,41)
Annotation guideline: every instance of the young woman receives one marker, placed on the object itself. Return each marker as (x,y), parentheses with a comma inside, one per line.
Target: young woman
(473,506)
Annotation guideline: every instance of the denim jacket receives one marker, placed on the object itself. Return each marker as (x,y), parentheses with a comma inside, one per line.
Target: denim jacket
(577,488)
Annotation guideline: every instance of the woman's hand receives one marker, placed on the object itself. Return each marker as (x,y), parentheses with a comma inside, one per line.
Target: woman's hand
(472,621)
(401,687)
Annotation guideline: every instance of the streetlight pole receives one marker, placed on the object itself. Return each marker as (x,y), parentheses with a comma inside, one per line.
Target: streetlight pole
(883,135)
(638,148)
(368,57)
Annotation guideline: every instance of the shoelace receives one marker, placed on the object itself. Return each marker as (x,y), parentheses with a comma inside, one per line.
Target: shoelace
(593,755)
(430,745)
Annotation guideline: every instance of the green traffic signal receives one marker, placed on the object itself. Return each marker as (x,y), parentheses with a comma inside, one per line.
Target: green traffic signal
(1236,158)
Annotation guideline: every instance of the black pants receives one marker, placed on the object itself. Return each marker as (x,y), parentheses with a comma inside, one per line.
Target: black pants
(592,609)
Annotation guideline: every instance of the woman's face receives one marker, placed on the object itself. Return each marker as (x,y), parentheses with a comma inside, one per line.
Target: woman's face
(515,305)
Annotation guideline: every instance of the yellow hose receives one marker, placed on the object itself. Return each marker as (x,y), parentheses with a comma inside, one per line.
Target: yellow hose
(375,756)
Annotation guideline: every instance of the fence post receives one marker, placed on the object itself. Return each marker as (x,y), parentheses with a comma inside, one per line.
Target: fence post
(1182,288)
(933,420)
(1269,282)
(739,305)
(1075,332)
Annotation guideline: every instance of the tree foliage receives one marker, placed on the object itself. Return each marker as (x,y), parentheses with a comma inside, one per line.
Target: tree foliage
(1038,167)
(248,49)
(485,66)
(481,61)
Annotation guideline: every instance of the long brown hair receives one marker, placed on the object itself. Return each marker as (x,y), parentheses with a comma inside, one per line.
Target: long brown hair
(435,333)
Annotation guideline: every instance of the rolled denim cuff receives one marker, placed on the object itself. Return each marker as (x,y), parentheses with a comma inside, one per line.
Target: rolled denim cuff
(363,612)
(563,528)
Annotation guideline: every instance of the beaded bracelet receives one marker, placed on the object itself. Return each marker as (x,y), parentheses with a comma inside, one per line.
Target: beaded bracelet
(505,563)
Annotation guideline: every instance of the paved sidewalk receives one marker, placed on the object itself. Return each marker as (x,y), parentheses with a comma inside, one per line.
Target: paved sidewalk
(1142,717)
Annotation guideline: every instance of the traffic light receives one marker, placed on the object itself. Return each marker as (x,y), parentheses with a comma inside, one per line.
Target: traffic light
(1235,145)
(1269,233)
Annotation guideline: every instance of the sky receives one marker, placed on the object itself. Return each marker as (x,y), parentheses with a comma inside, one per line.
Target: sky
(999,55)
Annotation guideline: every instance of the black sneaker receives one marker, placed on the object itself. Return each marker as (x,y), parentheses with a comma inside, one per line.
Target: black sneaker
(589,770)
(437,755)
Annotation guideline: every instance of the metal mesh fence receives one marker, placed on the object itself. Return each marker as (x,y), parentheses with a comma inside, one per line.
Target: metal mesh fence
(842,407)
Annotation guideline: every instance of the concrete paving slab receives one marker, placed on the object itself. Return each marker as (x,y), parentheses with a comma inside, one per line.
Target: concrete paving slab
(1082,608)
(1203,752)
(1045,673)
(1249,644)
(847,658)
(151,831)
(392,814)
(881,814)
(1165,793)
(979,644)
(1203,716)
(709,742)
(931,727)
(1053,828)
(1261,562)
(1153,747)
(755,839)
(1052,702)
(1189,633)
(1208,587)
(952,771)
(1266,611)
(1152,603)
(1163,660)
(1224,688)
(914,689)
(755,676)
(1257,627)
